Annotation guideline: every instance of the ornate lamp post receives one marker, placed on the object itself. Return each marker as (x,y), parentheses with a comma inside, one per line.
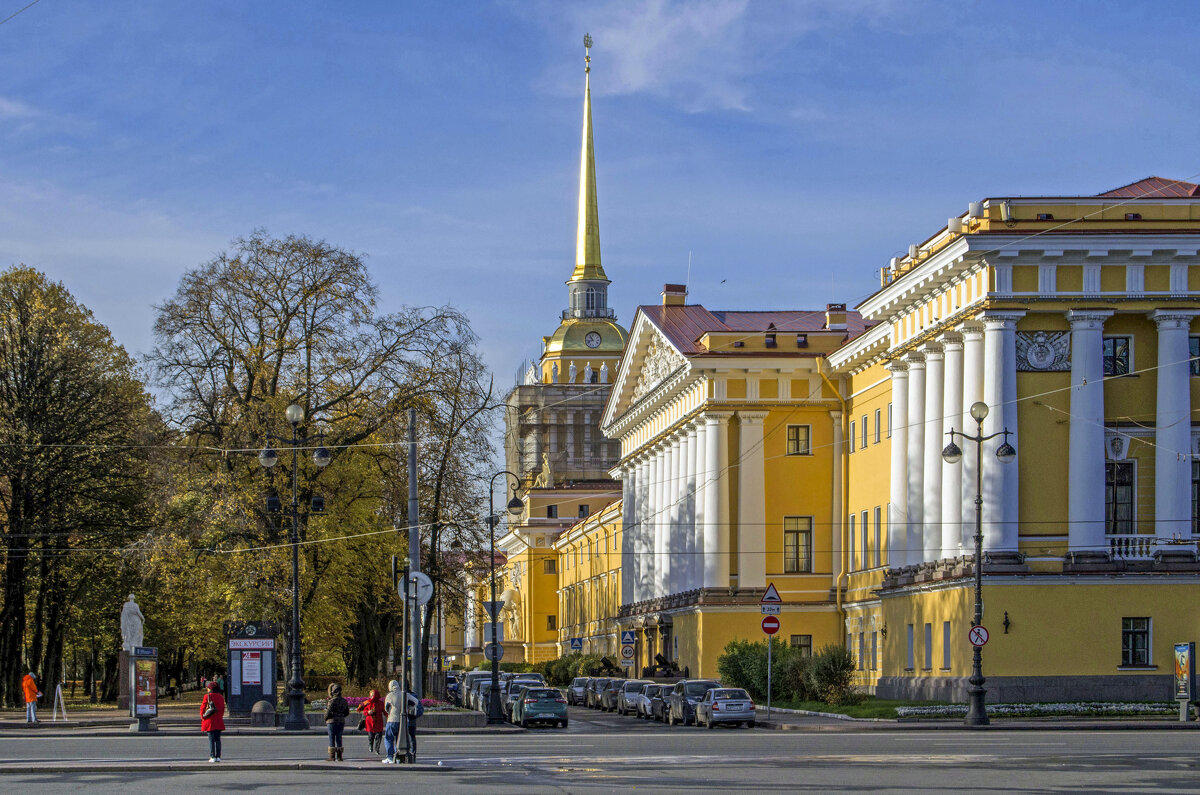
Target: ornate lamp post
(268,457)
(976,714)
(514,507)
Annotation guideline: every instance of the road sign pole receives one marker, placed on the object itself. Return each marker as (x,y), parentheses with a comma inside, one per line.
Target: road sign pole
(769,639)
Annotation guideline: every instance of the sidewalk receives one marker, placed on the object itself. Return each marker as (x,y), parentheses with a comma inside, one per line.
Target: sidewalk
(202,766)
(792,720)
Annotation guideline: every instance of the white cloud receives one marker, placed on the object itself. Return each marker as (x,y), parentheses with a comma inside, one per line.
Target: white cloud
(16,109)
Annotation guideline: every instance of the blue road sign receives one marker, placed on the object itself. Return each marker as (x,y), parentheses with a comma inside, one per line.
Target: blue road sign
(628,637)
(576,644)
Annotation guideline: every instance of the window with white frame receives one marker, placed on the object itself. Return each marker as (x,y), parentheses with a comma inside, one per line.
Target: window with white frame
(852,435)
(1118,497)
(864,536)
(910,658)
(928,646)
(850,538)
(946,645)
(862,650)
(889,421)
(1117,355)
(1135,641)
(864,431)
(799,440)
(877,555)
(878,422)
(874,651)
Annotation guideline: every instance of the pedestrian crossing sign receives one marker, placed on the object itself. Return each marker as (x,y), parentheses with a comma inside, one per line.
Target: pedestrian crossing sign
(628,637)
(576,644)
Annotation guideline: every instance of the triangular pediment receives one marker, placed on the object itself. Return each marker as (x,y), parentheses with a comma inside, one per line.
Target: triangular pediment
(649,360)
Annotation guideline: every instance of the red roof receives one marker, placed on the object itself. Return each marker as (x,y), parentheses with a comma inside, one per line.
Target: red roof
(1155,188)
(683,325)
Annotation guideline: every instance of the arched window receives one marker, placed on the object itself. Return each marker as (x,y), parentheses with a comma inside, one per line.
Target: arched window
(590,300)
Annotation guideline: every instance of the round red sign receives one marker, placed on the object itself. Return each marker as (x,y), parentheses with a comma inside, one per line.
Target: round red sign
(770,625)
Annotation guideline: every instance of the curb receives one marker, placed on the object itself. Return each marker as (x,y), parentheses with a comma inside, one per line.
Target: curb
(1000,726)
(122,730)
(194,767)
(834,715)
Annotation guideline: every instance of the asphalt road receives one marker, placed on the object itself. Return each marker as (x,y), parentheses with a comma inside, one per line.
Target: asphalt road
(602,752)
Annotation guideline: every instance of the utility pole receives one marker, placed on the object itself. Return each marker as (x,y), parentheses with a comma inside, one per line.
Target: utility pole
(414,550)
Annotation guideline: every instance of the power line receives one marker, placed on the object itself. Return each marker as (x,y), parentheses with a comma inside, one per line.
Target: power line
(18,11)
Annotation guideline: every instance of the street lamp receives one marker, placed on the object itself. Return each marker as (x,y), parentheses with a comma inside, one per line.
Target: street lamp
(514,507)
(952,454)
(268,457)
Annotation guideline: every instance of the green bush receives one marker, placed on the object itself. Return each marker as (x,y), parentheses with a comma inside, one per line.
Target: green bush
(744,664)
(794,675)
(828,676)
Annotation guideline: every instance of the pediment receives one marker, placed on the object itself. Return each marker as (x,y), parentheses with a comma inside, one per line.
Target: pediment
(648,361)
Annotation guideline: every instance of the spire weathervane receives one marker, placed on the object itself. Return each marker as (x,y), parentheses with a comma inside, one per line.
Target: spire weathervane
(587,54)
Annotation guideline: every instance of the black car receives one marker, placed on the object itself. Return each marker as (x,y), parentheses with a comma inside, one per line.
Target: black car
(658,702)
(610,694)
(595,688)
(682,700)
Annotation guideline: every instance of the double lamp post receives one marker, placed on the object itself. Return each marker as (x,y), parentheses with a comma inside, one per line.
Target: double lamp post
(952,454)
(515,507)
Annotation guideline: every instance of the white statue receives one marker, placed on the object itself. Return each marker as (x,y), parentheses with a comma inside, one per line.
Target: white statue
(131,625)
(554,373)
(587,373)
(604,373)
(572,373)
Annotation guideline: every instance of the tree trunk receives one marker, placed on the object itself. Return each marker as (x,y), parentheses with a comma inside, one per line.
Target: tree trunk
(12,623)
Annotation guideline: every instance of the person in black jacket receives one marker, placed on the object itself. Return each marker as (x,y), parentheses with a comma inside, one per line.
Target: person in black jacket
(335,721)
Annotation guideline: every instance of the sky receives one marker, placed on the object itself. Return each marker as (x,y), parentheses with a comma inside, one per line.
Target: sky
(788,149)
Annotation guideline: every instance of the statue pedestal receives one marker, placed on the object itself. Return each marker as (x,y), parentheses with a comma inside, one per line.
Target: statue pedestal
(123,682)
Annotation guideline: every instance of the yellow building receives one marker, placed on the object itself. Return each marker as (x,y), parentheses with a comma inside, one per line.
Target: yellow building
(589,593)
(728,427)
(1073,320)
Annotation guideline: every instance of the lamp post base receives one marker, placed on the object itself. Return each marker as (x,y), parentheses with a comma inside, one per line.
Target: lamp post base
(296,720)
(976,712)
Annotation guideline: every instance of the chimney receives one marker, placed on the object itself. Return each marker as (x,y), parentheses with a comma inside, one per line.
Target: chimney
(674,294)
(835,317)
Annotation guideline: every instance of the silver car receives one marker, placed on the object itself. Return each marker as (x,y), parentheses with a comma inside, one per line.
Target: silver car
(629,696)
(641,699)
(730,705)
(575,691)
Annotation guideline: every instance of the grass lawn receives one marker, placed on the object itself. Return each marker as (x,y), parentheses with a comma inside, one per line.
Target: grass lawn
(869,708)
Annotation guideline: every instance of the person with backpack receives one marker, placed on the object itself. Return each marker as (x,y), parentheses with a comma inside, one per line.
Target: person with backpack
(212,720)
(392,707)
(335,721)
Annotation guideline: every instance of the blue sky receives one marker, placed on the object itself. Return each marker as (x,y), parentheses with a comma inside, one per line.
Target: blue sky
(791,147)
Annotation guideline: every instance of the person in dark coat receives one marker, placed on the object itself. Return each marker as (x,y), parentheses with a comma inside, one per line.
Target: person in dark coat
(212,720)
(335,721)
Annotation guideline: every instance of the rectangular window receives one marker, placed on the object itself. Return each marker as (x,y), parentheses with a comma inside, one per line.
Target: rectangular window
(1116,355)
(864,430)
(852,437)
(850,539)
(803,643)
(928,646)
(889,420)
(799,440)
(878,422)
(551,622)
(946,645)
(1118,497)
(583,511)
(1135,641)
(910,658)
(551,511)
(1196,498)
(864,536)
(1194,355)
(878,536)
(862,650)
(797,544)
(874,651)
(550,566)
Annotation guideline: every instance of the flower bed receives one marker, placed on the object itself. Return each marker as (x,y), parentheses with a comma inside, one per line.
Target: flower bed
(1084,708)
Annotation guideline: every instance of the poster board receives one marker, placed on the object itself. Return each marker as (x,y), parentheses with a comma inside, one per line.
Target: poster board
(1185,671)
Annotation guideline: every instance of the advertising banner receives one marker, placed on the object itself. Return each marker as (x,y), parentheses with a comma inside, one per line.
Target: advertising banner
(1185,671)
(252,667)
(145,688)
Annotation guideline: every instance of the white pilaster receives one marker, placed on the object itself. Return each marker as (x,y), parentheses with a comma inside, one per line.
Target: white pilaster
(972,332)
(835,527)
(666,519)
(628,533)
(1085,451)
(693,579)
(645,532)
(658,559)
(1173,427)
(752,516)
(915,543)
(716,506)
(898,510)
(931,512)
(951,474)
(678,545)
(1001,500)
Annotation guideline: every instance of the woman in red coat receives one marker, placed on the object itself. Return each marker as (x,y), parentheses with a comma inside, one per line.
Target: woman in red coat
(212,720)
(372,710)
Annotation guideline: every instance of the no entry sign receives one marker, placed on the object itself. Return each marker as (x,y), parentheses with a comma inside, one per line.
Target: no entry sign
(770,625)
(978,636)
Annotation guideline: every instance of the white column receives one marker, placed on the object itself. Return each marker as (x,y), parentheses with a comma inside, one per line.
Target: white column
(898,510)
(931,512)
(716,506)
(951,475)
(628,533)
(666,563)
(915,542)
(1001,501)
(657,585)
(972,332)
(698,500)
(678,544)
(1173,427)
(1085,449)
(752,513)
(692,580)
(645,531)
(835,526)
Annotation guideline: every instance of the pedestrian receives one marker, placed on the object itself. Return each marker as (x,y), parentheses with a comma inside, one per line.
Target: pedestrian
(392,706)
(372,711)
(415,710)
(212,720)
(221,684)
(32,694)
(335,721)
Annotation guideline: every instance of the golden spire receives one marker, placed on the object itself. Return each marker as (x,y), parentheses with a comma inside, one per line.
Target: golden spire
(587,237)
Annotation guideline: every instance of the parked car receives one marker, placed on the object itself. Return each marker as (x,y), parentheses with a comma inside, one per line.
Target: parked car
(511,690)
(658,703)
(466,687)
(682,700)
(628,694)
(608,696)
(730,705)
(641,700)
(595,688)
(452,688)
(575,690)
(483,694)
(540,705)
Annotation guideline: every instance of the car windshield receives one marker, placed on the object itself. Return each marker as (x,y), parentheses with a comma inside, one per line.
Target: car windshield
(653,690)
(632,686)
(697,688)
(726,694)
(542,694)
(578,682)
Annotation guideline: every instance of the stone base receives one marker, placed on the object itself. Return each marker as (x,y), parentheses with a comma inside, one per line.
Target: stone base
(123,682)
(1026,689)
(142,725)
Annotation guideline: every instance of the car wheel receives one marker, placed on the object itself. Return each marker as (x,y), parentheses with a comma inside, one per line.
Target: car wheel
(563,723)
(709,724)
(524,723)
(749,724)
(670,718)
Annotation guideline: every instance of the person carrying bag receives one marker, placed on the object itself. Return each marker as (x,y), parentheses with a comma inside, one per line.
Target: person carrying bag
(372,721)
(212,720)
